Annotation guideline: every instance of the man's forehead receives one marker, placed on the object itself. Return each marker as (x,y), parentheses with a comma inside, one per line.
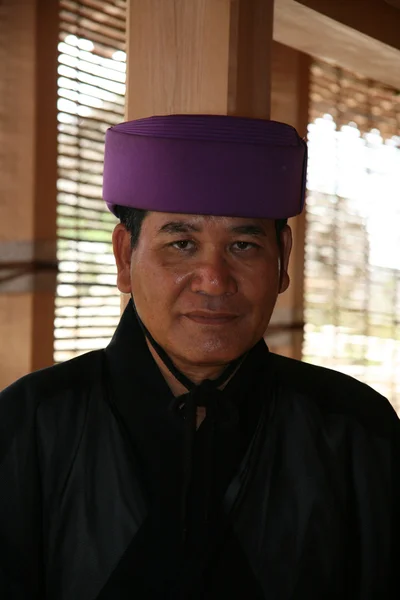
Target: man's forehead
(166,222)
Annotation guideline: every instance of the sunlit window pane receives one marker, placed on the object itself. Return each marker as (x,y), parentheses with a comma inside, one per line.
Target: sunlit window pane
(352,274)
(91,89)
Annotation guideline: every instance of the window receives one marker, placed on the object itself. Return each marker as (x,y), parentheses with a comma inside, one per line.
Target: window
(91,90)
(352,271)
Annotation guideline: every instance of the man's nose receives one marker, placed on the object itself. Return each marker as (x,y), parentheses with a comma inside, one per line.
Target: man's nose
(213,276)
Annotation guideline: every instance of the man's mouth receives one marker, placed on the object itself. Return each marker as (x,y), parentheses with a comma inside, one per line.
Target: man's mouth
(211,317)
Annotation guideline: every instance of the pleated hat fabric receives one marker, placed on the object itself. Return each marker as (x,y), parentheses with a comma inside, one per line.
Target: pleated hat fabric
(206,164)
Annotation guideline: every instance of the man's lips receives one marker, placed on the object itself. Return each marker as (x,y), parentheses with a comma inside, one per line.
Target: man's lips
(210,317)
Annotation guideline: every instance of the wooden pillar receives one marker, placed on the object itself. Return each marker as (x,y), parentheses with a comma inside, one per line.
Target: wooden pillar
(199,56)
(28,174)
(289,103)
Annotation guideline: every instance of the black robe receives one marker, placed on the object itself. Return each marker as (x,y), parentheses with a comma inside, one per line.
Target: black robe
(298,497)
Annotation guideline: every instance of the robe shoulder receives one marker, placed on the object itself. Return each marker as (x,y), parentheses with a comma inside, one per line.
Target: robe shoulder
(335,393)
(19,401)
(72,375)
(24,438)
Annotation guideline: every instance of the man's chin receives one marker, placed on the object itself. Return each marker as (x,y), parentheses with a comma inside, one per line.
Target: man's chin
(210,354)
(209,346)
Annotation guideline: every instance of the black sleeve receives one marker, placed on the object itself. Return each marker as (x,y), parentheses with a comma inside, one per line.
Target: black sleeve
(20,512)
(396,511)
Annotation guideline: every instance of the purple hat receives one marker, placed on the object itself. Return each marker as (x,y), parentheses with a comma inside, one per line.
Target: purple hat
(206,164)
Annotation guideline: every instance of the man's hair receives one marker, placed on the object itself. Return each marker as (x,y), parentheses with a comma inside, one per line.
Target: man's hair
(132,219)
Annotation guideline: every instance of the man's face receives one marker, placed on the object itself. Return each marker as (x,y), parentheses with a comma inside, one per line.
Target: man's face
(205,287)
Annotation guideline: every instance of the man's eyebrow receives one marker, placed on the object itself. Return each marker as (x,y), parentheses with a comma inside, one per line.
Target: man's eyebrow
(249,230)
(178,227)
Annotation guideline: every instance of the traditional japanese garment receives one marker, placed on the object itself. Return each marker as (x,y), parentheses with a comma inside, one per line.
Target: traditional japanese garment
(293,491)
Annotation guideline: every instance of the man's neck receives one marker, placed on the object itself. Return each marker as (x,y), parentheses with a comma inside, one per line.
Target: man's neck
(197,375)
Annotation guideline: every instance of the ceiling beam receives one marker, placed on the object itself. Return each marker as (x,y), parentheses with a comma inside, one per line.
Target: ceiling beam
(310,31)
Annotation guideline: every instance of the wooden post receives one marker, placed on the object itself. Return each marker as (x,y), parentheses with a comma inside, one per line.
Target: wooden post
(199,56)
(289,103)
(28,175)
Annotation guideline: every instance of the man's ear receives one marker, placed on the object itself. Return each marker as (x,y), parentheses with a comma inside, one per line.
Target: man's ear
(285,247)
(121,240)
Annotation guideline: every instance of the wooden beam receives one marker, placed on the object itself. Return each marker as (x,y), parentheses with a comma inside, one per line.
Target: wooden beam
(344,33)
(377,19)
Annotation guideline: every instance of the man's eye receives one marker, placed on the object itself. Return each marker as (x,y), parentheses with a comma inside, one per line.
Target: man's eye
(244,245)
(182,245)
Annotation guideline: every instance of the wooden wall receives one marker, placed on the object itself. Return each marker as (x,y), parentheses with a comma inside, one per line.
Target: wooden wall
(28,155)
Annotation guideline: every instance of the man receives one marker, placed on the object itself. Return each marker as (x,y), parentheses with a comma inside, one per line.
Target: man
(186,460)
